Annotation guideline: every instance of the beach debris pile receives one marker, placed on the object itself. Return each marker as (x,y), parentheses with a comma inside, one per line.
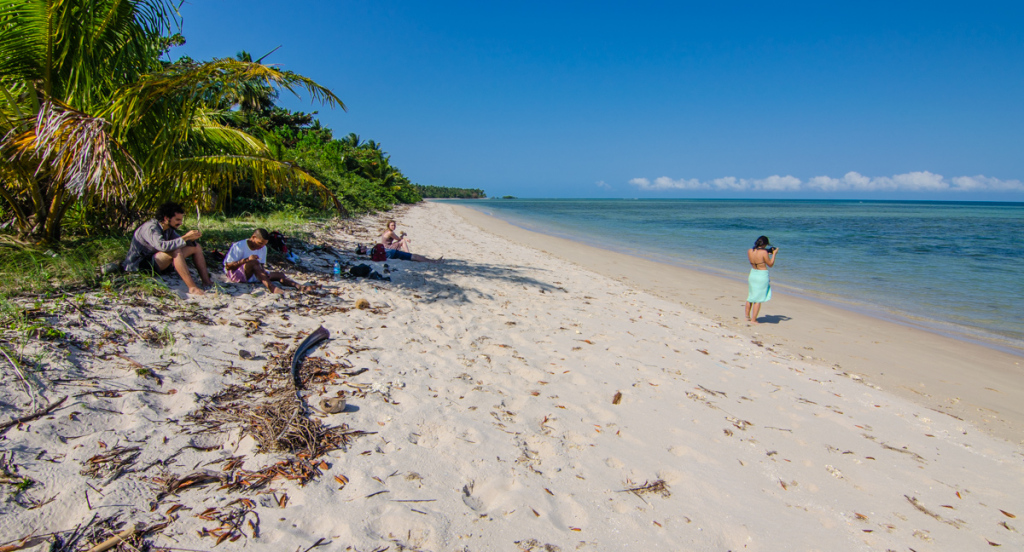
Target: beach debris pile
(264,407)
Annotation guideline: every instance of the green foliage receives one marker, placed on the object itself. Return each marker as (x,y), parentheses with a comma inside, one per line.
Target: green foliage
(75,265)
(359,174)
(23,485)
(449,193)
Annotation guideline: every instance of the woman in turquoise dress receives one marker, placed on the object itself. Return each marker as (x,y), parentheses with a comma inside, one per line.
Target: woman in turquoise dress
(761,257)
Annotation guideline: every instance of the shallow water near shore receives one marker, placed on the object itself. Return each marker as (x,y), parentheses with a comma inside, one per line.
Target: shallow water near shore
(953,267)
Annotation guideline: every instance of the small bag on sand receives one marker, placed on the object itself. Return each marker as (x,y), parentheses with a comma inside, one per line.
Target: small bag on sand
(378,254)
(360,271)
(277,243)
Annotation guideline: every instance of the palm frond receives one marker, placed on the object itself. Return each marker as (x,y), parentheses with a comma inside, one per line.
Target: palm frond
(77,149)
(210,178)
(115,41)
(209,83)
(23,32)
(213,136)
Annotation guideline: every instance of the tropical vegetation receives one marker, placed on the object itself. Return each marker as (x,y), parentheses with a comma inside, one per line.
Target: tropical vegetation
(98,126)
(450,193)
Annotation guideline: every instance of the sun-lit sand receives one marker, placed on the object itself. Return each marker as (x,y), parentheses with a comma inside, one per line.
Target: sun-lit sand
(531,397)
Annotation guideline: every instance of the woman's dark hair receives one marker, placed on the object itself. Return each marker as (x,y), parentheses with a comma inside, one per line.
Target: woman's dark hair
(761,242)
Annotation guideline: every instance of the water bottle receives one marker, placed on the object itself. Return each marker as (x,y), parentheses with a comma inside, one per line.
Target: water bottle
(337,270)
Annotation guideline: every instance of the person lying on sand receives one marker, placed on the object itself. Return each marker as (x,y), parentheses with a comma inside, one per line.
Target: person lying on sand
(156,245)
(390,240)
(400,255)
(244,263)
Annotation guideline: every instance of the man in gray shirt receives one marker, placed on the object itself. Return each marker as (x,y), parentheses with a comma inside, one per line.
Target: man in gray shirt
(156,246)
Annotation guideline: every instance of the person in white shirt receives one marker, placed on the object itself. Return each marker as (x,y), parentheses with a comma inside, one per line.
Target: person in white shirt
(244,263)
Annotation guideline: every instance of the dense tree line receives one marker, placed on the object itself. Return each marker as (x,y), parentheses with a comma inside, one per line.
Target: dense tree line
(449,193)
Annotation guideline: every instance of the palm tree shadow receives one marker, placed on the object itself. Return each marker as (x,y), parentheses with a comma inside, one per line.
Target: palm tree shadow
(773,319)
(435,283)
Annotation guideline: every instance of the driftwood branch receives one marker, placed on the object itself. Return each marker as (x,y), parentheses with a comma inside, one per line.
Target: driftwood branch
(115,540)
(37,414)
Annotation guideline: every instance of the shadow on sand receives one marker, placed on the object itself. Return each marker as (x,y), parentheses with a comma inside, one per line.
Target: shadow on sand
(773,319)
(434,282)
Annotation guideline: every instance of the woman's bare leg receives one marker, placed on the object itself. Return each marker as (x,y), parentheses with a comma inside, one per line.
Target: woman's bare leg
(753,313)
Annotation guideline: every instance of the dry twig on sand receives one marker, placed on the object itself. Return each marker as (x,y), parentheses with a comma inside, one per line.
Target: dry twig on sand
(37,414)
(658,487)
(112,464)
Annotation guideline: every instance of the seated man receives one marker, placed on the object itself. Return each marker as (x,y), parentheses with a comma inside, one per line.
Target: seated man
(244,263)
(400,255)
(156,246)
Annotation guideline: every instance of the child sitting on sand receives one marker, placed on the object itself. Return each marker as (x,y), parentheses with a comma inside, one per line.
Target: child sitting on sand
(244,263)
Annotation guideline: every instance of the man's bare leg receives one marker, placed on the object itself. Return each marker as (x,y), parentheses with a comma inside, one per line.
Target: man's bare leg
(177,258)
(254,268)
(200,261)
(285,280)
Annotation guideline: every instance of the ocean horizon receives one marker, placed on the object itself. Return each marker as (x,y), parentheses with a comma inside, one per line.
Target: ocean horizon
(953,267)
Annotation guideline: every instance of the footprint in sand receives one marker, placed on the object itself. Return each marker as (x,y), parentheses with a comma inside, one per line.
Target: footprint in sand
(613,462)
(429,435)
(490,496)
(405,528)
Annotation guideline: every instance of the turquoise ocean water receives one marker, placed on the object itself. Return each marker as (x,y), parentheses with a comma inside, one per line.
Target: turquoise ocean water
(955,267)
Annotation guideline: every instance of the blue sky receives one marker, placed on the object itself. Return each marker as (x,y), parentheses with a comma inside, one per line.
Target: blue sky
(917,100)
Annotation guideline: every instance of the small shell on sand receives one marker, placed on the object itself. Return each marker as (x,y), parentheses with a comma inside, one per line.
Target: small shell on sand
(362,304)
(333,405)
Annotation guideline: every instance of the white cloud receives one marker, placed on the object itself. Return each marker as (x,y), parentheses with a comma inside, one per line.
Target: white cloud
(919,181)
(603,185)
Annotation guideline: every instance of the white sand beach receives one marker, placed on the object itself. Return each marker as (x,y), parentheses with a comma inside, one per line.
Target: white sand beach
(516,397)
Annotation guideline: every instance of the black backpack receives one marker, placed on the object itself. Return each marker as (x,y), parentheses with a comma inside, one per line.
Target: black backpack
(360,271)
(277,243)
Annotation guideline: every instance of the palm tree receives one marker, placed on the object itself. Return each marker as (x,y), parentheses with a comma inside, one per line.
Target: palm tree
(249,97)
(352,140)
(88,111)
(374,146)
